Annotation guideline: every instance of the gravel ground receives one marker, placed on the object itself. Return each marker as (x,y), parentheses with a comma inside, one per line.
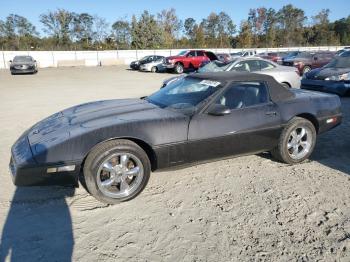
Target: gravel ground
(244,209)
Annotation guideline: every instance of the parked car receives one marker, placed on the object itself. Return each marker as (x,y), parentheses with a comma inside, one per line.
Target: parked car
(333,77)
(345,49)
(287,76)
(224,57)
(243,54)
(345,53)
(273,56)
(115,144)
(188,59)
(290,55)
(135,65)
(154,66)
(306,61)
(23,65)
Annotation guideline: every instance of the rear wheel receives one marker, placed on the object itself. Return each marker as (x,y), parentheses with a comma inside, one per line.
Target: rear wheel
(179,69)
(286,85)
(296,142)
(116,171)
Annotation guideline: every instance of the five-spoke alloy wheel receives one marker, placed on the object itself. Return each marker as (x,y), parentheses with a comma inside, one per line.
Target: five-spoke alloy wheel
(116,171)
(296,142)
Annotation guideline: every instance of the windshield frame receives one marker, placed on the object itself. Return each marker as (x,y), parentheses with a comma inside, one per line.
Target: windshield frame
(195,108)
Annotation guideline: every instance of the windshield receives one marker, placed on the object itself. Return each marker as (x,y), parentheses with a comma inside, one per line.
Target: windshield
(339,62)
(292,54)
(145,58)
(237,54)
(215,66)
(182,53)
(22,59)
(184,94)
(304,55)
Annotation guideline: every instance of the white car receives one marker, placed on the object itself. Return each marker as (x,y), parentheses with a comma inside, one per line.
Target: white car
(154,66)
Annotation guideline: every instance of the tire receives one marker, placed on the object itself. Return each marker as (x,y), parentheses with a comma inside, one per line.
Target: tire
(179,69)
(306,69)
(286,85)
(107,186)
(288,142)
(154,69)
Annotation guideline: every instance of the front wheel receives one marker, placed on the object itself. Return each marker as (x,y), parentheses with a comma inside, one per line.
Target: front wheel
(296,142)
(179,69)
(116,171)
(154,69)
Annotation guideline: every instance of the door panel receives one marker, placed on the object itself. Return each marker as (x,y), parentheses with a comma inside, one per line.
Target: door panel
(245,130)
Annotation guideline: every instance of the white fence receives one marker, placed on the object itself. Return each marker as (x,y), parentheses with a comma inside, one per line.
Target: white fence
(115,57)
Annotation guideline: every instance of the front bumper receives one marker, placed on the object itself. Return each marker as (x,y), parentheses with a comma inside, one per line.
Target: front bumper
(335,87)
(23,71)
(26,172)
(169,66)
(134,66)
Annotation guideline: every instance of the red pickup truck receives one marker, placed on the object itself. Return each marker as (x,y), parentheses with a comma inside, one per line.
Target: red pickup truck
(189,59)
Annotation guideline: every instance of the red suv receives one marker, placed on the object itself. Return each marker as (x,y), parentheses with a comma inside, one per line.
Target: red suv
(190,59)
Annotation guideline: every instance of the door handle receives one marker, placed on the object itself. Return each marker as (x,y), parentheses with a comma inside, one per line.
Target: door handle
(272,113)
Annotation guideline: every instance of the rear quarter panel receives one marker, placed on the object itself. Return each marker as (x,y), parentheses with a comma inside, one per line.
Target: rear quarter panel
(319,105)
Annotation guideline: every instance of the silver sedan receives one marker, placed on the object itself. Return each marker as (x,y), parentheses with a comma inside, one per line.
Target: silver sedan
(286,75)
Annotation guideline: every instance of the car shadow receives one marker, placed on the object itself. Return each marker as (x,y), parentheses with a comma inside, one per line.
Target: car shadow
(38,226)
(333,147)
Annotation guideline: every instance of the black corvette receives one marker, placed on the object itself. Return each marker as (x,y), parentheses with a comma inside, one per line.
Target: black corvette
(115,144)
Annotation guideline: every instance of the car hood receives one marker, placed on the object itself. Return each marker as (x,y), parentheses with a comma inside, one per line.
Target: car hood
(175,57)
(95,115)
(323,73)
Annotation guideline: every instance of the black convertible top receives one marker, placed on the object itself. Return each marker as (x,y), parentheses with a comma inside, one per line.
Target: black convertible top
(277,91)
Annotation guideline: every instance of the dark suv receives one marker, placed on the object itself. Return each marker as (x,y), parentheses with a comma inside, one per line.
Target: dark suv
(306,61)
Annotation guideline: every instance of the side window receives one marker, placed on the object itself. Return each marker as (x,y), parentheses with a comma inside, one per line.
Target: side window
(200,53)
(241,66)
(266,65)
(244,94)
(191,54)
(253,65)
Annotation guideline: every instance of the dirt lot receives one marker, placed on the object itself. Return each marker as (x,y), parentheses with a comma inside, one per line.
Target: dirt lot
(244,209)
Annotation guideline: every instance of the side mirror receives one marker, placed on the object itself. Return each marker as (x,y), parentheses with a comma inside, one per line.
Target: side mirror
(34,61)
(10,61)
(218,110)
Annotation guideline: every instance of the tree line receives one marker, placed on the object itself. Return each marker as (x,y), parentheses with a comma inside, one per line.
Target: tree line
(264,27)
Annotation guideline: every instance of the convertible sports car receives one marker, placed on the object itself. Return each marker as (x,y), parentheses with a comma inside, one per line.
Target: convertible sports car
(115,144)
